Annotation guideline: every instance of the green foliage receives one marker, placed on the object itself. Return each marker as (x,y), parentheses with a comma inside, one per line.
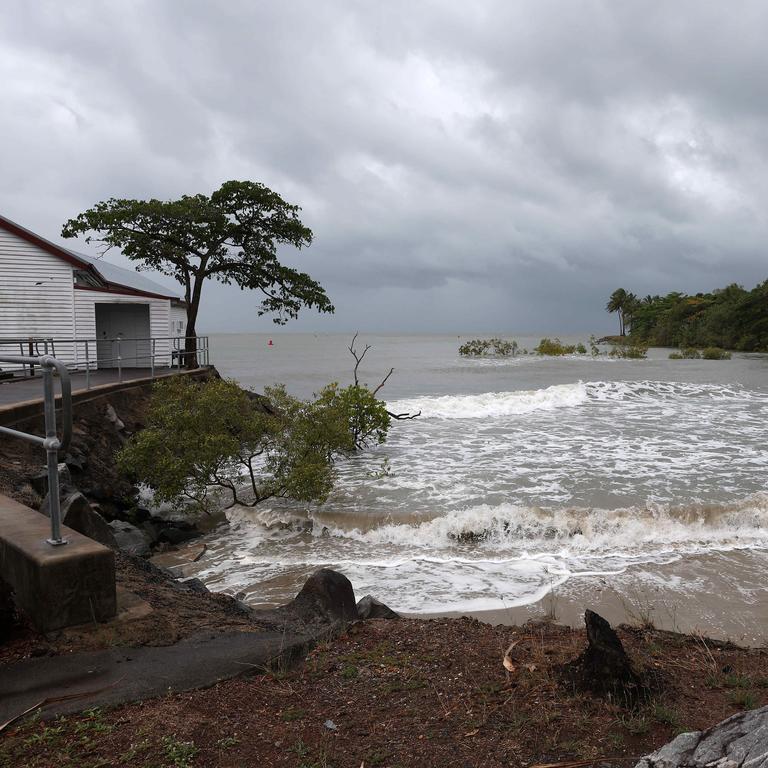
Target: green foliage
(556,347)
(594,350)
(489,347)
(710,353)
(213,434)
(624,304)
(715,353)
(231,236)
(630,351)
(728,318)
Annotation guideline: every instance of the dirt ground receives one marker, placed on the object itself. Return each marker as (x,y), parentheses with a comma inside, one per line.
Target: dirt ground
(415,693)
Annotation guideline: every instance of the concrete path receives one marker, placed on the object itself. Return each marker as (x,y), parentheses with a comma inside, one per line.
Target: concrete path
(23,390)
(133,674)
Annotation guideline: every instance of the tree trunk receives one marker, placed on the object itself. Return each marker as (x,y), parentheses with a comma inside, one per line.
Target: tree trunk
(190,343)
(189,359)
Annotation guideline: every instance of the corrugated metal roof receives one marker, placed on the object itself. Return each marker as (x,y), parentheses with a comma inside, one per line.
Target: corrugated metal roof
(127,278)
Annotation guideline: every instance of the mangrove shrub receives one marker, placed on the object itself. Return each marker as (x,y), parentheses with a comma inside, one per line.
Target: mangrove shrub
(202,436)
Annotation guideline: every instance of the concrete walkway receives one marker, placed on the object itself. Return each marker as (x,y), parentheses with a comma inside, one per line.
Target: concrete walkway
(22,390)
(121,675)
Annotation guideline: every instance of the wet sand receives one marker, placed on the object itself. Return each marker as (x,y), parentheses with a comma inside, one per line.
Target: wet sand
(718,595)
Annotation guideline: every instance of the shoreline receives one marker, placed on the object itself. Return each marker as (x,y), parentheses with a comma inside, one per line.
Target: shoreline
(719,607)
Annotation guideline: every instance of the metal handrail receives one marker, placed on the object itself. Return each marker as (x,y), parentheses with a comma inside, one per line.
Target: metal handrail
(50,442)
(172,355)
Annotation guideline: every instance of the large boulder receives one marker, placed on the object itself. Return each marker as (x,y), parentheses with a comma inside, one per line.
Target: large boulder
(130,539)
(327,595)
(77,513)
(371,608)
(741,740)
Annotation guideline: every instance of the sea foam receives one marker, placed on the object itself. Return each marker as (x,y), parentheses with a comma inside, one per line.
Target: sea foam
(493,404)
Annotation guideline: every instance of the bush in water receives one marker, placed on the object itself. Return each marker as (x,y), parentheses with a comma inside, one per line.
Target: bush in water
(488,347)
(205,435)
(630,351)
(556,348)
(715,353)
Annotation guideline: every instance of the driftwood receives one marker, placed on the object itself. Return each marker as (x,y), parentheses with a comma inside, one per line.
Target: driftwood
(604,667)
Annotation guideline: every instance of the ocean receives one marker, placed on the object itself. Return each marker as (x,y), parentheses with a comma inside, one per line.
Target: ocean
(523,477)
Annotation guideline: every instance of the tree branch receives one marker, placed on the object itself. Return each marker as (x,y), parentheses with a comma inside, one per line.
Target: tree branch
(404,416)
(359,359)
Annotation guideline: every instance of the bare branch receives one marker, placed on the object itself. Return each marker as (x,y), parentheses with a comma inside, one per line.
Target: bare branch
(383,381)
(358,358)
(403,416)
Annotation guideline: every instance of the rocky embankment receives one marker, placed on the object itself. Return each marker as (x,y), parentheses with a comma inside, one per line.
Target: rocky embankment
(96,499)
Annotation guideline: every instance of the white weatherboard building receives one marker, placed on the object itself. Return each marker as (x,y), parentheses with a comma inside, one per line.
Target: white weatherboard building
(50,292)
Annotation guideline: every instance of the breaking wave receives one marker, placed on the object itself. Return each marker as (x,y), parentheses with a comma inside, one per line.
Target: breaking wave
(585,532)
(520,403)
(491,404)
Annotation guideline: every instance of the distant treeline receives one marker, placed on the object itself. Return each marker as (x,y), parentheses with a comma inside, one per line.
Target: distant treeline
(731,318)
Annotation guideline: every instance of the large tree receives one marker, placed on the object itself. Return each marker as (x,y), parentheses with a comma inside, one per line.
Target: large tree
(231,236)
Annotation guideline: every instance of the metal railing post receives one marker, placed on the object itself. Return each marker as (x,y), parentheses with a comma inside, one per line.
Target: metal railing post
(152,360)
(52,455)
(119,363)
(87,367)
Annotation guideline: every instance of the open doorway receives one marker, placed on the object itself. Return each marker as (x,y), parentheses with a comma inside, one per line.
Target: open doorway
(130,324)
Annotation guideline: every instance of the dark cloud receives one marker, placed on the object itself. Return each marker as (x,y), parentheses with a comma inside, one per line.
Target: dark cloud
(484,165)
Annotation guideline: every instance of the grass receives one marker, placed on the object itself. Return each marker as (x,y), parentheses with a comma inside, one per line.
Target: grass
(665,715)
(180,753)
(744,699)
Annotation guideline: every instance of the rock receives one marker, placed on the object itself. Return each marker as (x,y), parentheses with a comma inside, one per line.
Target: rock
(327,595)
(151,531)
(113,418)
(194,585)
(40,483)
(371,608)
(176,536)
(740,740)
(130,539)
(77,513)
(604,668)
(75,463)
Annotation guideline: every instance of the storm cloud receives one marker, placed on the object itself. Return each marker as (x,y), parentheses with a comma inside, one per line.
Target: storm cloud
(464,166)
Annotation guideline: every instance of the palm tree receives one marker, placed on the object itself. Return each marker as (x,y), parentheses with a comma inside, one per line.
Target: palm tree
(617,303)
(631,305)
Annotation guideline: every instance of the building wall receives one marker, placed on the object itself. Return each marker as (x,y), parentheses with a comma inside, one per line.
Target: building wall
(38,298)
(159,320)
(29,309)
(178,323)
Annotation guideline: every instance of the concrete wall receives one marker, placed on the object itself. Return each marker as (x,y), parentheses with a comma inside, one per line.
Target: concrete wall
(55,586)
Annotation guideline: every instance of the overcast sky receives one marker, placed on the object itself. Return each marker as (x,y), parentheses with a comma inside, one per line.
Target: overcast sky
(489,166)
